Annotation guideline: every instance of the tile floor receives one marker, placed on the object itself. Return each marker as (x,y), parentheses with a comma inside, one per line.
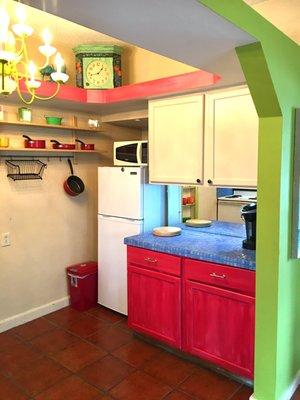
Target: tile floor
(71,355)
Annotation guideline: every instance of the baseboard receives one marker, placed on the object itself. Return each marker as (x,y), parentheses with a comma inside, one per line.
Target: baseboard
(289,392)
(33,313)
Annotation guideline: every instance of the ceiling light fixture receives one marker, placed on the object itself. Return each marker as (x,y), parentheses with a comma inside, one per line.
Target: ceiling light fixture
(15,65)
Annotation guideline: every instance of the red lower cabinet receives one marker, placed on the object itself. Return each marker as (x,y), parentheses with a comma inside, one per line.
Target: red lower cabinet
(154,299)
(203,308)
(218,323)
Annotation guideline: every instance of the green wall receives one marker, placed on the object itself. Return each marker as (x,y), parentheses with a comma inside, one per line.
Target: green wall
(272,71)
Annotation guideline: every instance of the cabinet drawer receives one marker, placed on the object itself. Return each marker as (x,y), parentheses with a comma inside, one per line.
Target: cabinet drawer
(154,260)
(220,275)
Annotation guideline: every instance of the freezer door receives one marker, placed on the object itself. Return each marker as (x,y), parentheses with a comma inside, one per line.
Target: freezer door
(120,191)
(112,260)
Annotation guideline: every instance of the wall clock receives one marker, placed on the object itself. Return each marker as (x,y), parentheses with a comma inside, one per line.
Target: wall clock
(98,66)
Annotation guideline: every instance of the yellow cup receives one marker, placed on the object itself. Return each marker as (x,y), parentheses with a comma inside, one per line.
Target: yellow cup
(4,142)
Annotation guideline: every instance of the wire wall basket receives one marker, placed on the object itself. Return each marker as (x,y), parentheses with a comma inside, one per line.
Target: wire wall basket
(19,170)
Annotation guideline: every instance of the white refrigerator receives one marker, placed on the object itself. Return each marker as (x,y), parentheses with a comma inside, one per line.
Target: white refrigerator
(127,206)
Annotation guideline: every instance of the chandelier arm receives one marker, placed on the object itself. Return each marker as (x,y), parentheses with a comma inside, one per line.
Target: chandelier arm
(20,52)
(28,102)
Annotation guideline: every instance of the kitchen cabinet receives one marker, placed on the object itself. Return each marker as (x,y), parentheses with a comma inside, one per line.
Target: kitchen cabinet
(154,295)
(176,139)
(231,138)
(218,311)
(227,156)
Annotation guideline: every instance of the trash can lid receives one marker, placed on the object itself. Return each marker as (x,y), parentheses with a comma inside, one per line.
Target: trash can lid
(85,268)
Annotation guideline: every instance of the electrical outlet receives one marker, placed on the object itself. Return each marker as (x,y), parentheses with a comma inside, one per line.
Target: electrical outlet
(5,239)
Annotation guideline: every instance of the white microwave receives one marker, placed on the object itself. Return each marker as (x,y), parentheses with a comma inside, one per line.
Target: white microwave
(132,153)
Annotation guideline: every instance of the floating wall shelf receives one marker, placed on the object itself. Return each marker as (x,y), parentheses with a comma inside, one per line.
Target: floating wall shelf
(9,150)
(64,127)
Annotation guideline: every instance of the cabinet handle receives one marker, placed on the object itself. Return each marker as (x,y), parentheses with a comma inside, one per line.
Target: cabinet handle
(148,259)
(152,261)
(209,181)
(198,180)
(214,275)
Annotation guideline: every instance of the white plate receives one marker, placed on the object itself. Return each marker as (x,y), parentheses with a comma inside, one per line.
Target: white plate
(166,231)
(198,223)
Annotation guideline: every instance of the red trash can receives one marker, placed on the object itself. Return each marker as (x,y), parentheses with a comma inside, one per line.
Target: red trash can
(83,285)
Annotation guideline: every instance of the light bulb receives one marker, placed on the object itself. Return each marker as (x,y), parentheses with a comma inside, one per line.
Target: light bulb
(47,36)
(21,13)
(4,18)
(11,42)
(59,62)
(31,70)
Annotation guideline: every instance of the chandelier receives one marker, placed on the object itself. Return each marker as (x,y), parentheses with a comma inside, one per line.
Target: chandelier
(17,71)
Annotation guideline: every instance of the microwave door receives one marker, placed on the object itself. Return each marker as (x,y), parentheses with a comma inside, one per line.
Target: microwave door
(127,153)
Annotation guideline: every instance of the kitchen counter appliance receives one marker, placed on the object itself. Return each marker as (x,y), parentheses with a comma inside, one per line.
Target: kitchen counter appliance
(131,153)
(248,214)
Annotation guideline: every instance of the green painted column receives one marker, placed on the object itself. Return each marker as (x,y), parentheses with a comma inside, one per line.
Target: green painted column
(272,71)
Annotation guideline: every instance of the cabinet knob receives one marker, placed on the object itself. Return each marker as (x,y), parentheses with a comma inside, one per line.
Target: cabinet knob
(198,180)
(209,181)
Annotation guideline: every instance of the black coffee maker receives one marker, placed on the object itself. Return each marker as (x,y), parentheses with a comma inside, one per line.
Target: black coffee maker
(248,213)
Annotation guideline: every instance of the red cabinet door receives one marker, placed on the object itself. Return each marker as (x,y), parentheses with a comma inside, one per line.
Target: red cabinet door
(219,326)
(154,304)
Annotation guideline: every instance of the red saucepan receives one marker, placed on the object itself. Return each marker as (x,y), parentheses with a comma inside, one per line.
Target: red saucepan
(73,185)
(85,146)
(62,146)
(33,144)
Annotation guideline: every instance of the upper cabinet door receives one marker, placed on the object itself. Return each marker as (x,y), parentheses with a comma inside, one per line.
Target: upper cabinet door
(176,140)
(231,138)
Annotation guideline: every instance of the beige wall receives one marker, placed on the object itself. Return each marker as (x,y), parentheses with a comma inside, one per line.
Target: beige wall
(138,65)
(49,230)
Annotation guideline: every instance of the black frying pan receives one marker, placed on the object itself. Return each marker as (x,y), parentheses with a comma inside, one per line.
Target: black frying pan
(73,185)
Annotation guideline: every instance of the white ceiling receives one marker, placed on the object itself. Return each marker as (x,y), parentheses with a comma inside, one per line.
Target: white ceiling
(183,30)
(284,14)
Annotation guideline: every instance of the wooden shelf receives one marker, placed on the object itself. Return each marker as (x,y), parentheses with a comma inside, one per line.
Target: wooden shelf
(188,205)
(64,127)
(9,150)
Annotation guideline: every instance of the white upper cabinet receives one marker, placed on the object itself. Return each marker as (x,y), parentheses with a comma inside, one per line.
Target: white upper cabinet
(231,138)
(176,139)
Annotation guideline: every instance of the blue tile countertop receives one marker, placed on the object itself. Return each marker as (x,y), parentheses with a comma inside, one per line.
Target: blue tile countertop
(221,243)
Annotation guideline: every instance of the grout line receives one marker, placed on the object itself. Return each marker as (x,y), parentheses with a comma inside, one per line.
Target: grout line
(235,392)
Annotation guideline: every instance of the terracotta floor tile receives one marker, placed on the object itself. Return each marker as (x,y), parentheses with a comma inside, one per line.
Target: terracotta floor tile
(137,352)
(78,355)
(296,395)
(110,338)
(19,356)
(71,388)
(177,395)
(123,324)
(106,372)
(106,314)
(65,316)
(208,385)
(33,328)
(169,368)
(86,326)
(140,386)
(54,341)
(243,393)
(9,391)
(7,340)
(40,375)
